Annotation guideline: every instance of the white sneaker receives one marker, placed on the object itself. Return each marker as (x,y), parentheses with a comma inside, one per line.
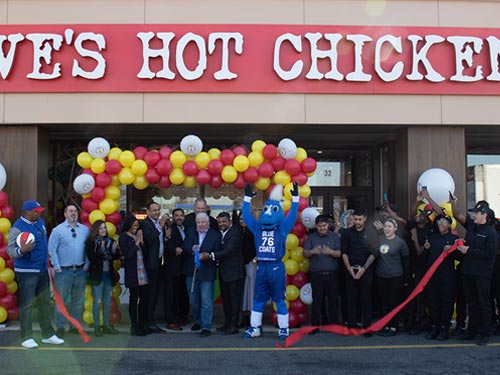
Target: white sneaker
(29,344)
(53,340)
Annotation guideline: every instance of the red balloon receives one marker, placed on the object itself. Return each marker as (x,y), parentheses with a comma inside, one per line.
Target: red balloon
(113,167)
(266,169)
(303,203)
(293,320)
(89,205)
(13,313)
(87,224)
(292,166)
(3,289)
(8,301)
(300,178)
(299,229)
(7,212)
(300,279)
(251,174)
(3,252)
(278,163)
(274,317)
(240,150)
(216,182)
(164,182)
(103,180)
(203,177)
(88,171)
(115,317)
(165,152)
(190,168)
(215,167)
(152,176)
(117,278)
(114,218)
(152,158)
(84,216)
(303,317)
(297,306)
(4,199)
(97,194)
(2,239)
(288,279)
(302,241)
(308,165)
(164,167)
(240,182)
(270,151)
(227,156)
(139,152)
(113,305)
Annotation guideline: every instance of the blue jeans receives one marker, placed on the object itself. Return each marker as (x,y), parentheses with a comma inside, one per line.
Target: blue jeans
(102,294)
(34,289)
(70,283)
(202,301)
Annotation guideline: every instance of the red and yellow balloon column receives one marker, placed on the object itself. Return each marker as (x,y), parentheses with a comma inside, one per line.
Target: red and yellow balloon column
(105,169)
(8,286)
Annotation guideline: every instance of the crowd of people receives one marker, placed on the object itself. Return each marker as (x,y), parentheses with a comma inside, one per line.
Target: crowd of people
(361,268)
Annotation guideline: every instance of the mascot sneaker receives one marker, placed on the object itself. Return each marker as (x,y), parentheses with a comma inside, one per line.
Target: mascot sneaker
(252,332)
(283,333)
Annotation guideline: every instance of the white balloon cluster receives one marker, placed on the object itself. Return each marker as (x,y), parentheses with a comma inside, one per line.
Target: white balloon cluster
(191,145)
(438,183)
(98,147)
(287,148)
(3,177)
(84,184)
(308,217)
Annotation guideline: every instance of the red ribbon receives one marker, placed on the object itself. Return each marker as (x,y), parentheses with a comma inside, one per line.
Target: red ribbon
(382,322)
(64,311)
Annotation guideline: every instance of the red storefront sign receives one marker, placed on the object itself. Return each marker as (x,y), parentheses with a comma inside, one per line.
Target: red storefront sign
(249,58)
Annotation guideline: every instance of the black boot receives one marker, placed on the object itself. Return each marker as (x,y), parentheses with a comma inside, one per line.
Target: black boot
(245,322)
(433,333)
(444,334)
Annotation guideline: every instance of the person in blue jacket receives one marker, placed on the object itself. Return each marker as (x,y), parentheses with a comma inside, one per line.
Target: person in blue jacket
(270,233)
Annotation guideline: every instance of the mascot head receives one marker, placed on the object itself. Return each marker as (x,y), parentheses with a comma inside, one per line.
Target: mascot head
(272,212)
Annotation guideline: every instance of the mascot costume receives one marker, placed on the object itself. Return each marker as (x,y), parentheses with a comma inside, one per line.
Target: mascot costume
(270,234)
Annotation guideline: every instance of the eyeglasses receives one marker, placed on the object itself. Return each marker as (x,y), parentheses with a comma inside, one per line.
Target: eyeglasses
(73,232)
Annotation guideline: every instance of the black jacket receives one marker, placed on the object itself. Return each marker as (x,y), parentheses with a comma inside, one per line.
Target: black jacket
(96,257)
(211,243)
(231,256)
(483,244)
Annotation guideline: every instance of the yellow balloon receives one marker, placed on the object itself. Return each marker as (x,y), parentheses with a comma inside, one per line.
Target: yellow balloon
(140,183)
(304,265)
(287,305)
(139,167)
(287,190)
(214,153)
(7,276)
(88,291)
(117,264)
(96,215)
(3,314)
(116,292)
(262,183)
(282,178)
(241,163)
(178,158)
(286,204)
(111,229)
(177,176)
(304,191)
(229,174)
(297,254)
(112,192)
(98,166)
(255,158)
(86,195)
(286,256)
(202,159)
(12,287)
(301,154)
(190,182)
(84,159)
(107,206)
(115,180)
(87,305)
(114,153)
(258,145)
(126,176)
(126,158)
(292,292)
(4,225)
(292,241)
(88,317)
(2,264)
(291,267)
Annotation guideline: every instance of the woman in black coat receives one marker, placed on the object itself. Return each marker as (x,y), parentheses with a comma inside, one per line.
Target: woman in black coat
(135,275)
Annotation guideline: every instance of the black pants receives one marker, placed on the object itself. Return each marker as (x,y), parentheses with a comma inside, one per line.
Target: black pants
(440,294)
(154,279)
(176,298)
(495,292)
(477,296)
(324,284)
(138,306)
(461,306)
(231,293)
(390,290)
(359,292)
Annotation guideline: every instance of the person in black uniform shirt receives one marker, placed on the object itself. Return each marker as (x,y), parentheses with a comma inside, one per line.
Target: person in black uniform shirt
(442,287)
(480,250)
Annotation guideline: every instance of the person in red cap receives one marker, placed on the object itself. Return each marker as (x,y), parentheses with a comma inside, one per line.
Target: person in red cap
(30,265)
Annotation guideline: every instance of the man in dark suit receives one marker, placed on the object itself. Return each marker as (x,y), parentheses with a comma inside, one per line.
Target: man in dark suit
(231,273)
(176,296)
(200,248)
(200,205)
(153,230)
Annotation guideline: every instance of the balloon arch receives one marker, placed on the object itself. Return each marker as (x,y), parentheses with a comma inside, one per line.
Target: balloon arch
(105,169)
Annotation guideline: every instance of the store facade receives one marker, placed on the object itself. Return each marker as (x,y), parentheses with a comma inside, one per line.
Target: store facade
(381,90)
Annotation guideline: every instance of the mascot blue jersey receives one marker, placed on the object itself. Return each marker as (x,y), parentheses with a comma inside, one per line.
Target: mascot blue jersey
(271,231)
